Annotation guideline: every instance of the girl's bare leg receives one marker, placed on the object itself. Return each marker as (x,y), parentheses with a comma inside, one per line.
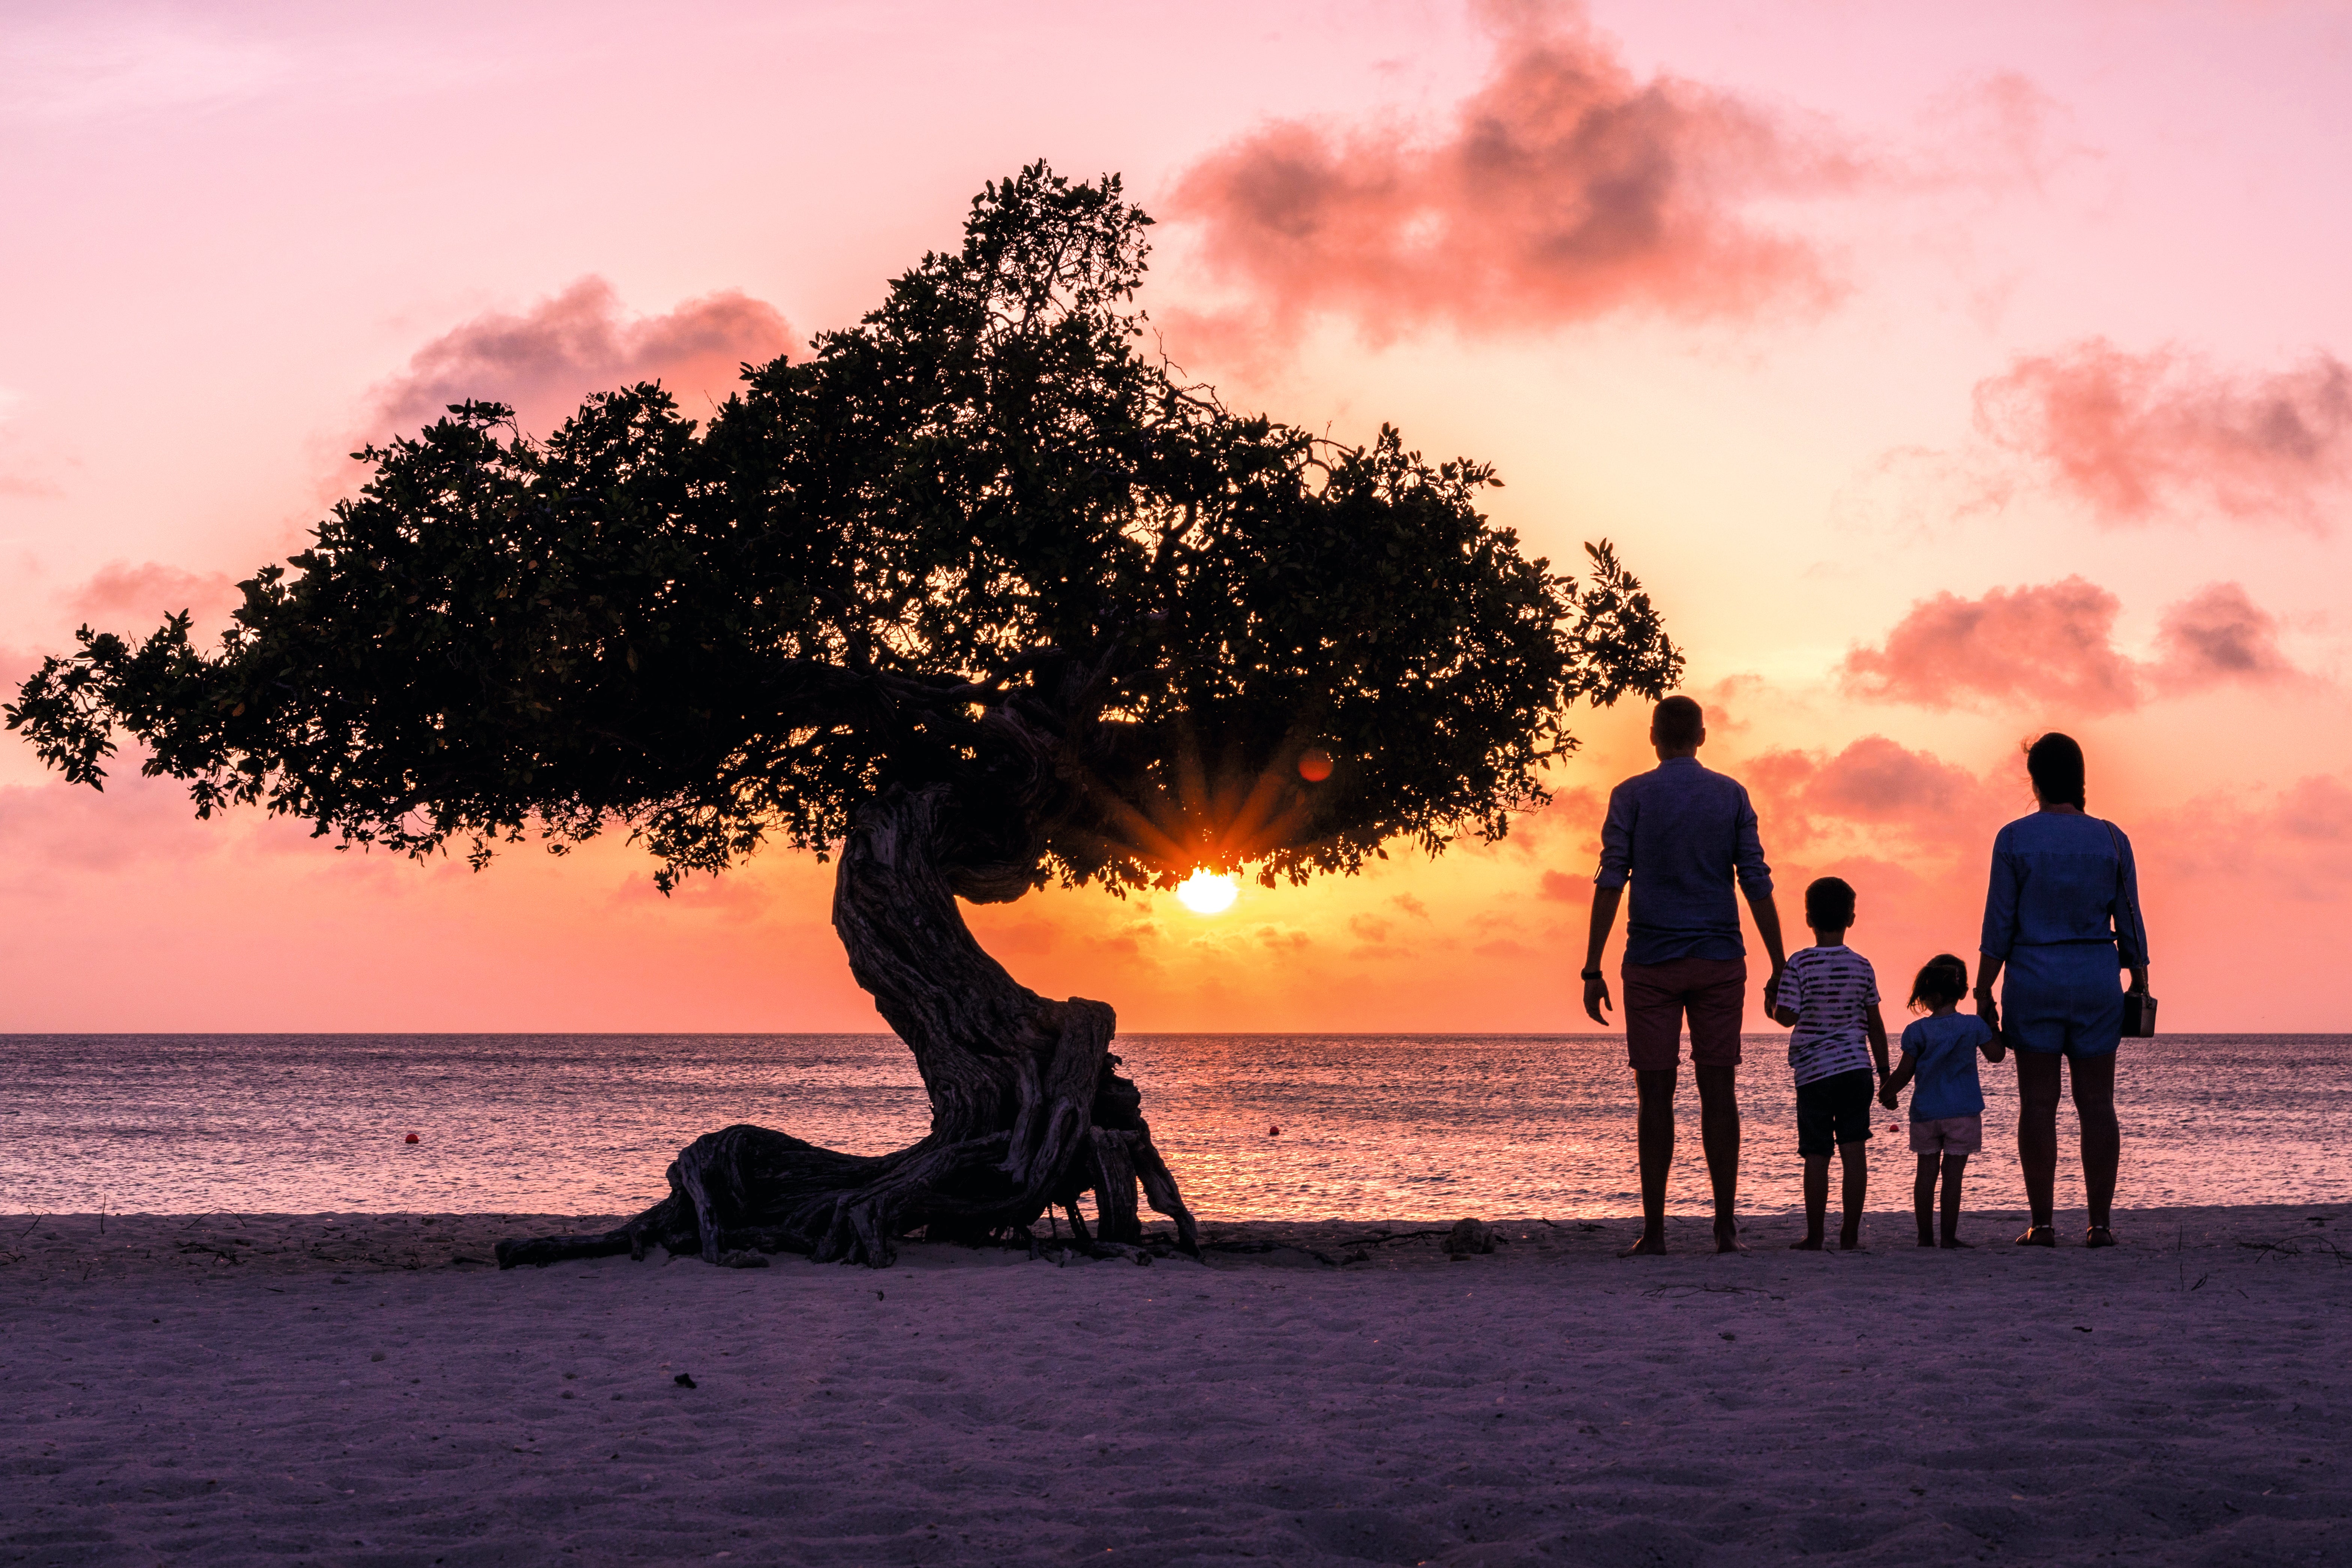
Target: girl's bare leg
(1923,1199)
(1954,1164)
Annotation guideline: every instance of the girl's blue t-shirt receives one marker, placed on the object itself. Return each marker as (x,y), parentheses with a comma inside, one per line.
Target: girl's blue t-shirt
(1945,1081)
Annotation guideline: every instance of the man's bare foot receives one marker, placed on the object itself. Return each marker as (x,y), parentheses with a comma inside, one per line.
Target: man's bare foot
(1727,1236)
(1849,1243)
(1927,1240)
(1956,1241)
(1811,1244)
(1650,1245)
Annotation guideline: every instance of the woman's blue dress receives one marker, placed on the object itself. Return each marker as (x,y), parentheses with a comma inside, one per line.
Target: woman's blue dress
(2061,915)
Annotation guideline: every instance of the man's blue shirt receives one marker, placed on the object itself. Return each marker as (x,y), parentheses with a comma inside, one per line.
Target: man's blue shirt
(1680,833)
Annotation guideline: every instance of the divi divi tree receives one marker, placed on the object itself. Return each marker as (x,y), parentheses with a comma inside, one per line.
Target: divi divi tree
(977,597)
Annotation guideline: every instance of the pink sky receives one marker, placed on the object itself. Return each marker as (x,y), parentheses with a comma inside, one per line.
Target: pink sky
(1950,374)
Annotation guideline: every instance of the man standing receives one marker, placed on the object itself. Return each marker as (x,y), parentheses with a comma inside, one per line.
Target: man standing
(1681,834)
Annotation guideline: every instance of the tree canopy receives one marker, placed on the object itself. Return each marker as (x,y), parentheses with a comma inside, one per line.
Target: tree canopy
(982,538)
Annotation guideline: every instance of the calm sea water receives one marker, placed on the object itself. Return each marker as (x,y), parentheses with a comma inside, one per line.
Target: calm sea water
(1419,1127)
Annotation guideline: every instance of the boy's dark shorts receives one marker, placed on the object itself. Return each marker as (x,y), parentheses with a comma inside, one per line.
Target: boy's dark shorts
(1833,1110)
(1712,991)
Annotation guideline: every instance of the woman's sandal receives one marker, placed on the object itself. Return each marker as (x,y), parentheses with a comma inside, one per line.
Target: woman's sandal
(2098,1235)
(2039,1236)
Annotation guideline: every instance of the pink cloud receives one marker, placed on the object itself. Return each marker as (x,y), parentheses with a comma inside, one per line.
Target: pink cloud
(1564,189)
(1871,788)
(545,360)
(2051,647)
(150,589)
(2219,634)
(2137,436)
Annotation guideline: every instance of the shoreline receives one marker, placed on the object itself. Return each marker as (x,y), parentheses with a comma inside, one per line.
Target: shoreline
(335,1397)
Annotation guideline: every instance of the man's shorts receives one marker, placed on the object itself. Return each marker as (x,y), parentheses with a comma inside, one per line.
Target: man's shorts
(1712,991)
(1833,1110)
(1949,1135)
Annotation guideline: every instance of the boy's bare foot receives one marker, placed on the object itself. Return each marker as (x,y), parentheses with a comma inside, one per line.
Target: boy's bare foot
(2098,1235)
(1727,1236)
(2038,1236)
(1648,1247)
(1811,1244)
(1926,1240)
(1956,1241)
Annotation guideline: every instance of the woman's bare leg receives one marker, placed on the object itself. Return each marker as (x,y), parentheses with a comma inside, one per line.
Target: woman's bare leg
(2037,1129)
(2094,1102)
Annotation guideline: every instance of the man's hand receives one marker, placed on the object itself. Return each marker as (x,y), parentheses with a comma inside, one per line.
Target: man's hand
(1596,1000)
(1772,996)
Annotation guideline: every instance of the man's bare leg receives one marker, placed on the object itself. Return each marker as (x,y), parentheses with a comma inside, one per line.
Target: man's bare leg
(1655,1132)
(1718,1131)
(1855,1159)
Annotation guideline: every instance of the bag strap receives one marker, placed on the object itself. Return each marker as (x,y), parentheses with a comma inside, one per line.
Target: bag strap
(2123,888)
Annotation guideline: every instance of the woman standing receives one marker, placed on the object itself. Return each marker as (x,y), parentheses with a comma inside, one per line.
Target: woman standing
(2062,915)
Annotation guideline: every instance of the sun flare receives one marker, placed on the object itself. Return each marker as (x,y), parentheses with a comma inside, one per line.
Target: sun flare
(1206,893)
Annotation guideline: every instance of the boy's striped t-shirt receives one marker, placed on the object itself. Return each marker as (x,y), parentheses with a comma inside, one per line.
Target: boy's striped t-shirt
(1830,988)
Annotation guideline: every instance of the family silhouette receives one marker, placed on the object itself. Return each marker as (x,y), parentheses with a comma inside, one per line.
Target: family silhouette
(2062,924)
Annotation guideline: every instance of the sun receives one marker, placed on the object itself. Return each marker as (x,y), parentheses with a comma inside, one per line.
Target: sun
(1206,893)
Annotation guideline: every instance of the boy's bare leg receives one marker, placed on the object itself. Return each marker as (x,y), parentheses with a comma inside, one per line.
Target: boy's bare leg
(1817,1202)
(1654,1132)
(1954,1163)
(1923,1199)
(1855,1158)
(1718,1133)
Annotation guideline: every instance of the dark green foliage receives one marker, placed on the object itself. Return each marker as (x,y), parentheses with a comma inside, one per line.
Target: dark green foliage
(977,540)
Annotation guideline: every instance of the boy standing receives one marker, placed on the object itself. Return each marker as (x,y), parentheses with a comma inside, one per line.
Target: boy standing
(1829,994)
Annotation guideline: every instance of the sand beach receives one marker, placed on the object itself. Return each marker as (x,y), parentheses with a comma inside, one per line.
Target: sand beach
(357,1389)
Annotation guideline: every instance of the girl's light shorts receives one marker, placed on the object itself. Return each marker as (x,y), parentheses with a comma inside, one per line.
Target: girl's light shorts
(1947,1135)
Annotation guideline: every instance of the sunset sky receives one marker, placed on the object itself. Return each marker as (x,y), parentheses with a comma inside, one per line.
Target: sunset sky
(1949,374)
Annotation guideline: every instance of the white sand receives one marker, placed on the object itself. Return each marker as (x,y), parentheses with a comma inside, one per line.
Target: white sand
(344,1392)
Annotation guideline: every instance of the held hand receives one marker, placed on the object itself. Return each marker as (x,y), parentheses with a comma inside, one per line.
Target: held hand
(1596,1001)
(1772,996)
(1886,1094)
(1988,1010)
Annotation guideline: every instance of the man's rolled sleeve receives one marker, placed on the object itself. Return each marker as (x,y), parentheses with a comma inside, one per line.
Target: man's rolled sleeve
(1755,876)
(1616,842)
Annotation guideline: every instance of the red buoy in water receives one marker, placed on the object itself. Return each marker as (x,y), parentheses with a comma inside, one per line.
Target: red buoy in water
(1315,765)
(412,1138)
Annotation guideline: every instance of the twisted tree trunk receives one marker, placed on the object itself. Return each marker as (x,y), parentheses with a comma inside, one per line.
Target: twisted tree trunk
(1027,1110)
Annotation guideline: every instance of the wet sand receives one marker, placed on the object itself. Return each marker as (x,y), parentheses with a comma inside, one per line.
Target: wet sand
(349,1389)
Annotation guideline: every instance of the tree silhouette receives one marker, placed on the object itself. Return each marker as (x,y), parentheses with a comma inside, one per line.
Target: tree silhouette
(976,598)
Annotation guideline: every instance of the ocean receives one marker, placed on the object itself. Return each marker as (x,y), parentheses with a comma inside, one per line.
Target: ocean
(1422,1127)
